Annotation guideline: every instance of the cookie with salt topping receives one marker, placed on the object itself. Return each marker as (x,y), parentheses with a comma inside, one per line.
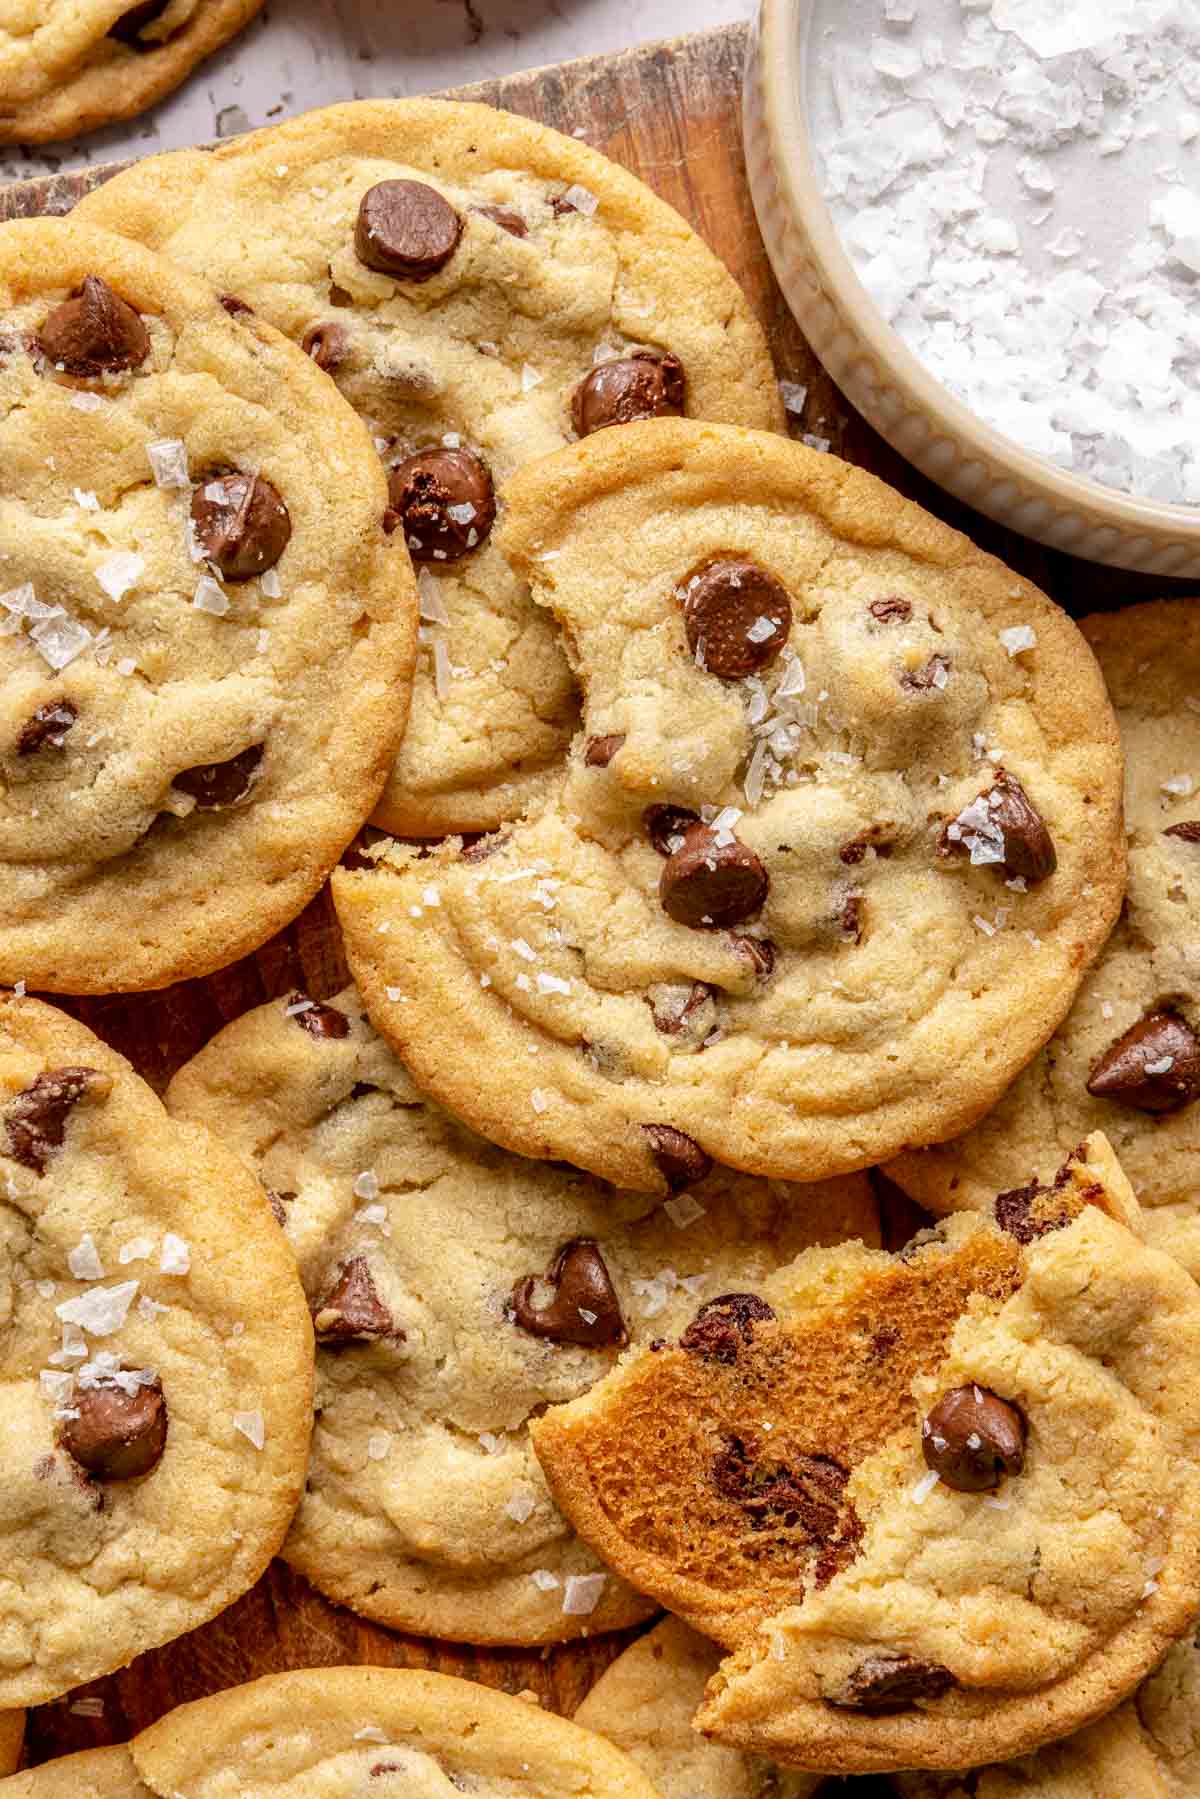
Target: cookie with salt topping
(836,842)
(156,1364)
(1126,1059)
(482,290)
(457,1290)
(206,635)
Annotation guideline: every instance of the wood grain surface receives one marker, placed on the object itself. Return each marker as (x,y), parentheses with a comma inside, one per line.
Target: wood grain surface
(671,113)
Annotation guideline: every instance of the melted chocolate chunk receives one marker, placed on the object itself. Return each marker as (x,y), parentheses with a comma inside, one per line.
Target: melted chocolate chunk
(94,332)
(599,751)
(712,879)
(852,918)
(217,784)
(48,727)
(806,1492)
(319,1020)
(888,1682)
(877,837)
(892,611)
(972,1438)
(642,386)
(585,1308)
(351,1311)
(737,617)
(36,1120)
(116,1435)
(326,344)
(406,229)
(1154,1067)
(1014,1211)
(1188,832)
(674,1021)
(667,826)
(236,308)
(506,218)
(723,1326)
(241,524)
(680,1159)
(1026,845)
(444,501)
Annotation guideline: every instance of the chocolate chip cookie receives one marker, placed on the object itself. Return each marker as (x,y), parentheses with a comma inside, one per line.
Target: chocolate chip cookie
(342,1732)
(67,66)
(644,1704)
(482,290)
(1126,1059)
(206,635)
(96,1773)
(155,1365)
(456,1291)
(941,1505)
(836,842)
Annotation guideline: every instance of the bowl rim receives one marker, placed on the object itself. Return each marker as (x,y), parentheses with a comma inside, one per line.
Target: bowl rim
(783,28)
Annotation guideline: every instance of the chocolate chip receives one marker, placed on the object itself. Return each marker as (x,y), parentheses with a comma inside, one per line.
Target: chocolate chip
(1188,832)
(129,27)
(642,386)
(351,1311)
(1024,842)
(674,1019)
(806,1492)
(236,308)
(723,1326)
(1014,1213)
(889,1682)
(47,728)
(585,1308)
(94,332)
(445,502)
(326,344)
(599,751)
(406,229)
(279,1204)
(478,849)
(217,784)
(760,952)
(560,206)
(36,1120)
(876,837)
(241,524)
(891,611)
(316,1019)
(737,616)
(972,1438)
(116,1435)
(852,918)
(681,1161)
(712,879)
(667,826)
(921,680)
(1154,1067)
(506,218)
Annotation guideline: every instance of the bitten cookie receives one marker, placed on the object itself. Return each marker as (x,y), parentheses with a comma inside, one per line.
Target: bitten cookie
(1148,1748)
(482,290)
(941,1504)
(1126,1059)
(340,1732)
(155,1365)
(456,1291)
(644,1704)
(206,637)
(67,66)
(839,837)
(94,1774)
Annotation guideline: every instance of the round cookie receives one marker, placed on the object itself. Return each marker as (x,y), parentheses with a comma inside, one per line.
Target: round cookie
(12,1734)
(423,1250)
(1143,991)
(941,1506)
(98,1773)
(481,289)
(338,1731)
(644,1704)
(206,636)
(67,66)
(155,1365)
(774,918)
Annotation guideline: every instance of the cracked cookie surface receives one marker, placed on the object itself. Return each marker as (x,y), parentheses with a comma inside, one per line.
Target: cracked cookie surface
(70,65)
(457,1290)
(481,289)
(206,637)
(970,1526)
(155,1365)
(1126,1059)
(839,835)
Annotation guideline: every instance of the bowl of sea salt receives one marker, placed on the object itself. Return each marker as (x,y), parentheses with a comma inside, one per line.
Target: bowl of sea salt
(985,215)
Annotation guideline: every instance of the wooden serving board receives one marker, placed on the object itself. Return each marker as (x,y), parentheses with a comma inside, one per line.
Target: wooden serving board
(672,114)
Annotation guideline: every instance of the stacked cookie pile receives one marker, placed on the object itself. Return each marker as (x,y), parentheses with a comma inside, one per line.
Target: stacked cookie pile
(399,498)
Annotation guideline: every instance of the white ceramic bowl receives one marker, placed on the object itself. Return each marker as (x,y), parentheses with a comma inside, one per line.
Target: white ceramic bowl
(878,373)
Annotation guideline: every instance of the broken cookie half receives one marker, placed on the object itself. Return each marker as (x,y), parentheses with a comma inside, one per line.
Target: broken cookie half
(941,1505)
